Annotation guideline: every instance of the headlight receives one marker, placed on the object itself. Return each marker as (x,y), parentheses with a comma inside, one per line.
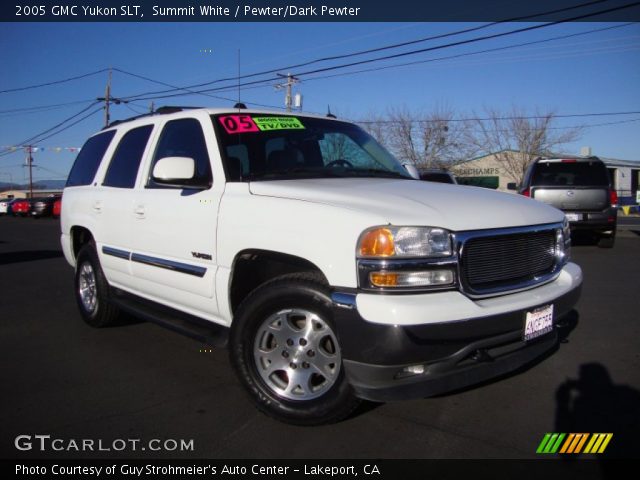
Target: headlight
(390,242)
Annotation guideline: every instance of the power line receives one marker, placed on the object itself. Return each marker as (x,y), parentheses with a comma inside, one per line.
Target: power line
(55,82)
(437,37)
(33,138)
(44,107)
(256,82)
(466,42)
(263,83)
(142,77)
(39,137)
(387,47)
(510,117)
(67,127)
(194,92)
(468,54)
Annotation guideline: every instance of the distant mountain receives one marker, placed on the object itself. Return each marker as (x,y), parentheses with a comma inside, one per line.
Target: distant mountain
(50,184)
(38,185)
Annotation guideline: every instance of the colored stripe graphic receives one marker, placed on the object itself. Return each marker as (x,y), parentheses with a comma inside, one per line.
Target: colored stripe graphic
(567,443)
(583,439)
(550,443)
(598,442)
(544,441)
(553,443)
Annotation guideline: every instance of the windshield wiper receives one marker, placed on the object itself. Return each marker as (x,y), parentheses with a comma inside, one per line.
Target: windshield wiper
(377,172)
(292,173)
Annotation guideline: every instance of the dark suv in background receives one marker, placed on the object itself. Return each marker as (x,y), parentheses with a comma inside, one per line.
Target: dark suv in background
(580,187)
(437,175)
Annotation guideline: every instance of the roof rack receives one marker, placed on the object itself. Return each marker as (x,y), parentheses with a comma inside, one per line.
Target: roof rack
(158,111)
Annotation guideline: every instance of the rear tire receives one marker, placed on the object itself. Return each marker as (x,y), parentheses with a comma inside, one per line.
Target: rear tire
(607,241)
(284,348)
(92,290)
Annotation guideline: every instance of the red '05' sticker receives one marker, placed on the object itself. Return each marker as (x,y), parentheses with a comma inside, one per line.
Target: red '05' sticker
(238,124)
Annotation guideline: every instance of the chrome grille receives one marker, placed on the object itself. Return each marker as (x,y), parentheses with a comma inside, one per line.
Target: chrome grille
(503,262)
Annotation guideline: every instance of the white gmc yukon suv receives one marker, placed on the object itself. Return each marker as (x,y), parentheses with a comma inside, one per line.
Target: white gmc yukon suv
(302,244)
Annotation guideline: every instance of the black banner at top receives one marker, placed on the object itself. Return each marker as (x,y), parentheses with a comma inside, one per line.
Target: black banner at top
(318,10)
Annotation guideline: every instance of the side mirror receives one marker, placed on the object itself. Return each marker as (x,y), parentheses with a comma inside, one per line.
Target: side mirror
(413,171)
(512,186)
(174,171)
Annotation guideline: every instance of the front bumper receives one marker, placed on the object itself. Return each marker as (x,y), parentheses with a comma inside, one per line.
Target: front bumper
(464,349)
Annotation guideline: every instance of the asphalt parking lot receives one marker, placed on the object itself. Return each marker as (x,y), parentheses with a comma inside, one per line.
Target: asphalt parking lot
(64,379)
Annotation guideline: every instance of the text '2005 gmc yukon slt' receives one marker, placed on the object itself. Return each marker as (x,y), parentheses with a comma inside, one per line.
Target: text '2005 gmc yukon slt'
(305,247)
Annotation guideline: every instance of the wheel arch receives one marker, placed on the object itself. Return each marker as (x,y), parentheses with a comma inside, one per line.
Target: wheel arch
(80,236)
(254,267)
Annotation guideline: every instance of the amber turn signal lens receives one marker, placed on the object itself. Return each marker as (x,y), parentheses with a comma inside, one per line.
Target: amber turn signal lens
(383,279)
(377,243)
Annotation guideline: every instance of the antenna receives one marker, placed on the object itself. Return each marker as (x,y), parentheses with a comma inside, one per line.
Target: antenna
(329,114)
(239,102)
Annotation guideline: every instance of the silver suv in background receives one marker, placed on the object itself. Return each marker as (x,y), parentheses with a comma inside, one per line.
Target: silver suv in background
(580,187)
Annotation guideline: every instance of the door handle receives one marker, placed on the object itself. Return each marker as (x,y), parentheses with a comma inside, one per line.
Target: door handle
(97,206)
(139,211)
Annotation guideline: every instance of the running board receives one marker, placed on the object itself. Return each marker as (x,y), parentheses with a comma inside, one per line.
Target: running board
(191,326)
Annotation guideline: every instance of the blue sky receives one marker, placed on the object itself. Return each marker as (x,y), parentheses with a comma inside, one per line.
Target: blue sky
(597,72)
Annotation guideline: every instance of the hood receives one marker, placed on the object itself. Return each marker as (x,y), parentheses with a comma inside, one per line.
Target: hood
(413,202)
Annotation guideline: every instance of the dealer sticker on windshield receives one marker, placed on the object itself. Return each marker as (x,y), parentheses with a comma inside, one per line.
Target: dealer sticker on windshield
(248,124)
(538,322)
(278,123)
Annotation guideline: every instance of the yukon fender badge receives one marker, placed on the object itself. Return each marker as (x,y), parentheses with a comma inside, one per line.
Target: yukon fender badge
(204,256)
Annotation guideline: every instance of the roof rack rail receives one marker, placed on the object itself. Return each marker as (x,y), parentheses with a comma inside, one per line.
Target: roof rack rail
(158,111)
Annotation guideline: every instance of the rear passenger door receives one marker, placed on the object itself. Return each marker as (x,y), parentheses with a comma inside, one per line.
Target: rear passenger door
(113,202)
(173,228)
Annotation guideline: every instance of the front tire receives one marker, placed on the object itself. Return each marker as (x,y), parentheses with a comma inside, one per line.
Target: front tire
(284,347)
(92,290)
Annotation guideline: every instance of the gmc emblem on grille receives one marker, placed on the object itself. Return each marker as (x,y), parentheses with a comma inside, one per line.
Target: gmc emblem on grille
(570,193)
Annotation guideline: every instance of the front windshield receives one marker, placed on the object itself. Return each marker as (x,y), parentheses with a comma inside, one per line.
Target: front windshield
(260,147)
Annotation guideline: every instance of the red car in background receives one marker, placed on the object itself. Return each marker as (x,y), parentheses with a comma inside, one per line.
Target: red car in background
(21,207)
(57,206)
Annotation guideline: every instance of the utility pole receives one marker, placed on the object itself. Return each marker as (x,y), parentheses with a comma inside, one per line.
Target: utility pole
(108,99)
(30,165)
(291,80)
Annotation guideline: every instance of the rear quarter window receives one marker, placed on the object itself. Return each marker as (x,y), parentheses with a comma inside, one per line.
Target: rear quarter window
(88,160)
(123,169)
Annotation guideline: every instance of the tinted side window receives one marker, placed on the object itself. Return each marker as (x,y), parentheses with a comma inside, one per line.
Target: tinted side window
(184,138)
(88,160)
(124,165)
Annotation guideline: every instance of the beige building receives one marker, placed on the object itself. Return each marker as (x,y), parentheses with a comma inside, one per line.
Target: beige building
(486,171)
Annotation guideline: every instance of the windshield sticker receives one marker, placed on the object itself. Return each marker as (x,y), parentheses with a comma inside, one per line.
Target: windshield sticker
(278,123)
(238,124)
